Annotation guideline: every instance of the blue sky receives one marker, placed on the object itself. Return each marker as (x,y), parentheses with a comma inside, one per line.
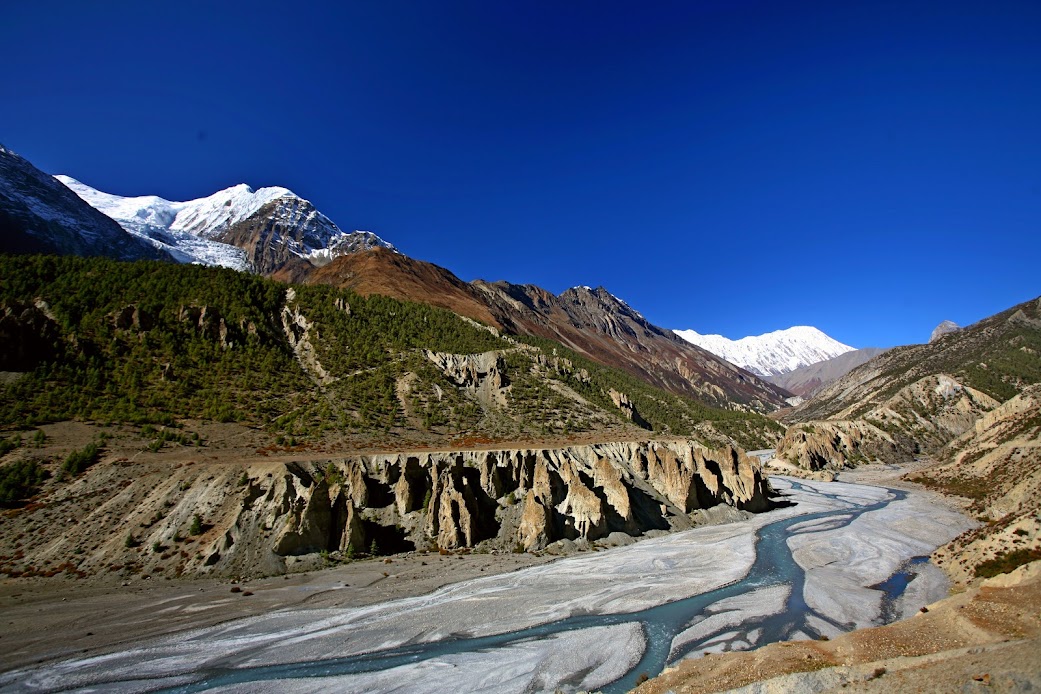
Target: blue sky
(871,168)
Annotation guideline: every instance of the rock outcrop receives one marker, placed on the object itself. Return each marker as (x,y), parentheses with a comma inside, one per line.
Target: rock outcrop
(942,329)
(627,407)
(28,334)
(265,516)
(297,330)
(480,375)
(834,445)
(919,418)
(507,498)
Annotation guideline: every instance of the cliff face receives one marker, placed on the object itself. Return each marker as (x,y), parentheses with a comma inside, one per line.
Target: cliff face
(263,517)
(507,499)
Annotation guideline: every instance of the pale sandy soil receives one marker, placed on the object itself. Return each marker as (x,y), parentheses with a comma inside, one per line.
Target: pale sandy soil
(984,639)
(43,619)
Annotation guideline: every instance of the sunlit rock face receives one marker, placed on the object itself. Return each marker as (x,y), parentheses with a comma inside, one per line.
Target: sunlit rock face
(520,499)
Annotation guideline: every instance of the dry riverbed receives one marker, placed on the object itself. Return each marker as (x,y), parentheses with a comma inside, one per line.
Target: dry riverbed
(44,619)
(983,638)
(161,636)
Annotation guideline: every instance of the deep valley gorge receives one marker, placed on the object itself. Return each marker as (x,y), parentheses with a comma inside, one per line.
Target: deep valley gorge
(241,449)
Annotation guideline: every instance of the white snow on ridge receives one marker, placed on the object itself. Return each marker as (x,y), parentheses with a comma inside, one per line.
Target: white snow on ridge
(190,230)
(772,353)
(213,214)
(152,219)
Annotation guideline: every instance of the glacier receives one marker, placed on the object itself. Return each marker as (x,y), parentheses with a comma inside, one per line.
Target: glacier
(192,231)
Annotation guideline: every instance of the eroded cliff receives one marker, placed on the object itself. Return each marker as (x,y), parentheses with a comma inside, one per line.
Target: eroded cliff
(266,517)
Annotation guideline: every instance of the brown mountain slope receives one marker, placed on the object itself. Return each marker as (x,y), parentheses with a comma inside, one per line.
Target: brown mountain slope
(998,356)
(601,326)
(807,381)
(591,321)
(383,271)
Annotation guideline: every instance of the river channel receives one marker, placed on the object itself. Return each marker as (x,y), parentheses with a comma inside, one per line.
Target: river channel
(836,558)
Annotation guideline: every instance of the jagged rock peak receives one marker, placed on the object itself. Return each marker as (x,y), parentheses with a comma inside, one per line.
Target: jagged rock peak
(943,329)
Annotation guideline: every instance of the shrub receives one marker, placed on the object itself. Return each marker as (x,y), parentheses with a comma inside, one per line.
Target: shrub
(8,445)
(1007,561)
(20,480)
(196,528)
(38,438)
(80,460)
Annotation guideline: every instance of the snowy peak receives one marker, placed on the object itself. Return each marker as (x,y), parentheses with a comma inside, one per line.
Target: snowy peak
(773,353)
(212,215)
(206,217)
(259,230)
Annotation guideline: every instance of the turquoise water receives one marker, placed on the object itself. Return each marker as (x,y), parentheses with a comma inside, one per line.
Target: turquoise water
(773,566)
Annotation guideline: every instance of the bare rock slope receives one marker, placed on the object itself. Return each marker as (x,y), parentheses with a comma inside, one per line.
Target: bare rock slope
(40,215)
(806,381)
(917,399)
(263,517)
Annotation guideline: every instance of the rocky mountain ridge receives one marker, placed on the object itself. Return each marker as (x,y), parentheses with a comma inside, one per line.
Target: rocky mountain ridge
(593,322)
(942,329)
(806,381)
(40,215)
(275,233)
(773,353)
(259,230)
(596,323)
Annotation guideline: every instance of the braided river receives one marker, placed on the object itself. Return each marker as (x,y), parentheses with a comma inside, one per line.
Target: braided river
(832,558)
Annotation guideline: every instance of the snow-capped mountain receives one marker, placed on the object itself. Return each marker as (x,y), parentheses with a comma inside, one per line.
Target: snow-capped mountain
(772,353)
(257,230)
(39,215)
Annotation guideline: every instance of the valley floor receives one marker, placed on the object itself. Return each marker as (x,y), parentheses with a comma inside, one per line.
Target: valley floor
(984,638)
(46,619)
(838,556)
(988,637)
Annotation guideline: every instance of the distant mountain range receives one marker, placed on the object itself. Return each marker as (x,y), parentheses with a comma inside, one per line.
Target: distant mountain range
(806,381)
(275,233)
(773,353)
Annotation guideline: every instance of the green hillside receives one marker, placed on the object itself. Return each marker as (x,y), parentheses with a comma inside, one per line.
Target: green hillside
(152,343)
